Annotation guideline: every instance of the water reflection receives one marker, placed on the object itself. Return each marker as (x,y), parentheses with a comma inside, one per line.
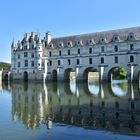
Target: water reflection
(113,107)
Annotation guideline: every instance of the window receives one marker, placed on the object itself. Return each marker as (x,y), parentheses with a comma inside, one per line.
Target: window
(32,55)
(102,60)
(69,62)
(116,48)
(90,50)
(50,63)
(32,63)
(26,63)
(19,56)
(25,54)
(78,61)
(90,60)
(18,64)
(78,51)
(102,49)
(50,53)
(68,52)
(131,46)
(59,62)
(59,53)
(131,58)
(116,59)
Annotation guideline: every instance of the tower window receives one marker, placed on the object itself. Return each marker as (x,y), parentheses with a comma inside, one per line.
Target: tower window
(18,64)
(115,48)
(131,58)
(78,61)
(25,54)
(90,60)
(116,59)
(50,63)
(26,63)
(102,60)
(50,53)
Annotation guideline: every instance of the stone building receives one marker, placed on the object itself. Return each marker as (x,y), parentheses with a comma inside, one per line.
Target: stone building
(54,58)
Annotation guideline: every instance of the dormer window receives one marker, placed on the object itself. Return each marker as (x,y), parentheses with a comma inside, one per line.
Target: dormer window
(60,44)
(91,42)
(69,44)
(116,38)
(131,36)
(51,46)
(79,43)
(103,40)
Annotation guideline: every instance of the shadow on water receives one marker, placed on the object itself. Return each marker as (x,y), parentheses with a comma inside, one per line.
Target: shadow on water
(113,107)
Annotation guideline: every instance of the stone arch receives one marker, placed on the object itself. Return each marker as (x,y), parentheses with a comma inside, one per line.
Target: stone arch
(86,72)
(54,75)
(25,76)
(113,73)
(67,73)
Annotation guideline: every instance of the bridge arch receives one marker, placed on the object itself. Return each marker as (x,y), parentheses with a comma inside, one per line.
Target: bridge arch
(67,74)
(25,76)
(89,72)
(117,73)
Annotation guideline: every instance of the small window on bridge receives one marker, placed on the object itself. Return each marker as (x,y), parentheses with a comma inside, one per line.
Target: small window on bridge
(69,62)
(131,58)
(131,47)
(90,60)
(90,50)
(102,60)
(116,48)
(78,51)
(60,53)
(59,62)
(102,49)
(78,61)
(68,52)
(116,59)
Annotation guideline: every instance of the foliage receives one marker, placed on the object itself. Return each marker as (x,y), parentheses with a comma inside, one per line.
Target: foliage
(119,73)
(5,66)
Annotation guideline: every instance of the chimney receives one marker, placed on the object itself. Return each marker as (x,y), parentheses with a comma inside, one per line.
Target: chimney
(48,37)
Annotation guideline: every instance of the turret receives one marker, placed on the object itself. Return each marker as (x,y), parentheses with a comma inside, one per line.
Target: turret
(13,46)
(39,52)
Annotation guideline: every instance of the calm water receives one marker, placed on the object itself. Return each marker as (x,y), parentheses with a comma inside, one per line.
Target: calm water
(66,111)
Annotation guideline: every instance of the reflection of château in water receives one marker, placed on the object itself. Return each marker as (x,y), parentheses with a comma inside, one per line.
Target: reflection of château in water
(34,104)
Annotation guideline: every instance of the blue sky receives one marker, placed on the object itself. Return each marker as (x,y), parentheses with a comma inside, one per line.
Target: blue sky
(62,17)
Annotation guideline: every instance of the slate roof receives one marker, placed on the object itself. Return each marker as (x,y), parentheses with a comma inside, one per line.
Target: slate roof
(108,35)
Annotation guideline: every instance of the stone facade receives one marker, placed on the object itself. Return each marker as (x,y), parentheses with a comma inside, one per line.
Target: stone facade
(54,58)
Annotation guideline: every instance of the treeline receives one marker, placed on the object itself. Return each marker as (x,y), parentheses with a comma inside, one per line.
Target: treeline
(5,66)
